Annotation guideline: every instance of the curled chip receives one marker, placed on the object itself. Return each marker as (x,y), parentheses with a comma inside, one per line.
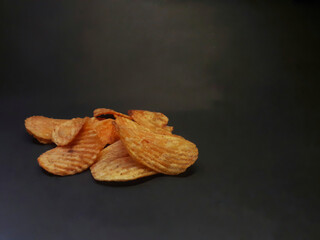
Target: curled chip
(155,121)
(115,164)
(42,127)
(80,154)
(64,133)
(104,111)
(164,153)
(106,131)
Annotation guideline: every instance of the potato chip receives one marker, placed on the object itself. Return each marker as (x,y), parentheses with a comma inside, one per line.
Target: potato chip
(146,118)
(155,121)
(106,131)
(76,157)
(104,111)
(42,127)
(164,153)
(122,169)
(115,164)
(64,133)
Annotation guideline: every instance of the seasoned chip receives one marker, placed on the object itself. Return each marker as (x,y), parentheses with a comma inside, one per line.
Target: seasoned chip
(164,153)
(115,164)
(80,154)
(106,131)
(104,111)
(148,118)
(155,121)
(122,169)
(64,133)
(42,127)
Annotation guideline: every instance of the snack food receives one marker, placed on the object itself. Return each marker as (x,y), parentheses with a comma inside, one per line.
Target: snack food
(115,164)
(80,154)
(138,145)
(155,121)
(106,131)
(164,153)
(105,111)
(64,133)
(41,127)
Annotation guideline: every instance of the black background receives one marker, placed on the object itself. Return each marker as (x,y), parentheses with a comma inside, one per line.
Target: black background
(238,78)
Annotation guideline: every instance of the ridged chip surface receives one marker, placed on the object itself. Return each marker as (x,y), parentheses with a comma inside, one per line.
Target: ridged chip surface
(155,121)
(115,164)
(76,157)
(164,153)
(42,127)
(106,131)
(64,133)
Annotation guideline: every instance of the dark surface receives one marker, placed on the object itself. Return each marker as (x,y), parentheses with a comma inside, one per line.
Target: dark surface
(240,79)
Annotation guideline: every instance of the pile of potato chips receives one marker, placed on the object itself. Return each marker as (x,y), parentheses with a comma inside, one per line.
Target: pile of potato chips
(139,144)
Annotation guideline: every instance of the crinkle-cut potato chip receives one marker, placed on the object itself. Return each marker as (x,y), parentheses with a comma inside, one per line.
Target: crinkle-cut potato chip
(104,111)
(164,153)
(115,164)
(76,157)
(106,131)
(146,118)
(113,151)
(123,169)
(64,133)
(155,121)
(42,127)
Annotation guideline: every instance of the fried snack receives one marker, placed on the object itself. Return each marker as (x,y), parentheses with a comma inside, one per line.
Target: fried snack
(76,157)
(64,133)
(121,170)
(104,111)
(106,131)
(115,164)
(165,153)
(42,127)
(155,121)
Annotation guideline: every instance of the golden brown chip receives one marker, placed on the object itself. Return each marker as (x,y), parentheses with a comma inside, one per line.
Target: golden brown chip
(115,164)
(104,111)
(64,133)
(80,154)
(155,121)
(106,131)
(147,118)
(164,153)
(42,127)
(122,169)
